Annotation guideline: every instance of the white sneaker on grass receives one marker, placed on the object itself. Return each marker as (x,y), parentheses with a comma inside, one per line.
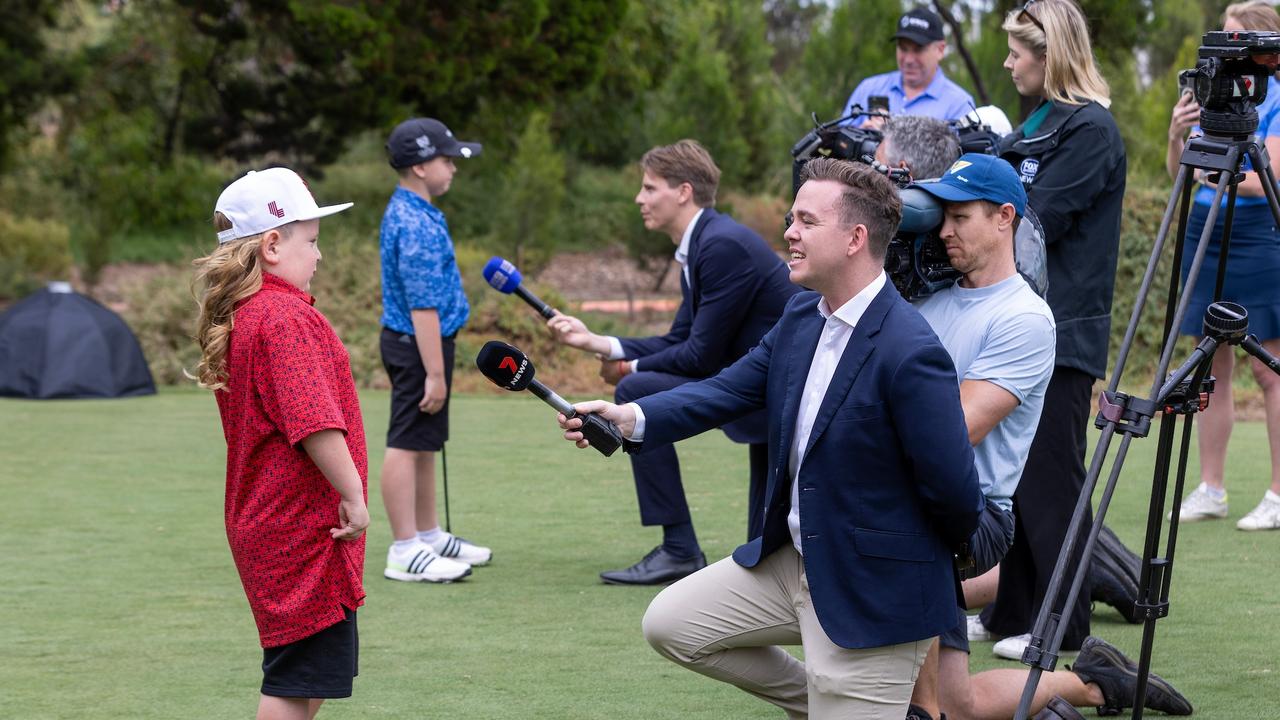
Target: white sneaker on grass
(976,630)
(1012,647)
(1200,505)
(1264,517)
(420,563)
(454,547)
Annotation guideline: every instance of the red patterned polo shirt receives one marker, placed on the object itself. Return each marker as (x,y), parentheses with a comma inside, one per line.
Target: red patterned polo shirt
(289,377)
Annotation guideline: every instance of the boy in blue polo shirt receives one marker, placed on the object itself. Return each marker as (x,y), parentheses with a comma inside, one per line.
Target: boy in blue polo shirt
(423,309)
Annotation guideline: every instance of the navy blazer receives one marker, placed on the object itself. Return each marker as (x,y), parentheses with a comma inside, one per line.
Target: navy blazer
(888,487)
(737,289)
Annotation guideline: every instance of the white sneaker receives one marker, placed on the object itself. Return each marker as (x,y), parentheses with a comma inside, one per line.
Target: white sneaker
(1264,517)
(1200,505)
(452,546)
(421,564)
(1011,648)
(977,631)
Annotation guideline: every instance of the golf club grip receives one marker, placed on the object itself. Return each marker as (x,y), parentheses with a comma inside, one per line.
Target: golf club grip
(602,434)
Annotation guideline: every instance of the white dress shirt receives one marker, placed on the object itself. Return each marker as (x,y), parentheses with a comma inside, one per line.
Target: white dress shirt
(831,344)
(682,257)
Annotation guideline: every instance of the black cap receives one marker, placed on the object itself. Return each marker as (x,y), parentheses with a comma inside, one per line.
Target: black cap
(920,26)
(421,139)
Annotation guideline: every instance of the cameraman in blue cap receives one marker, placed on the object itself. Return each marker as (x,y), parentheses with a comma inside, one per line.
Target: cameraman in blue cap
(1001,336)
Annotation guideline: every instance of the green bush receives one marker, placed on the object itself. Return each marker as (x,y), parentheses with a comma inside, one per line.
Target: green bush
(32,252)
(162,314)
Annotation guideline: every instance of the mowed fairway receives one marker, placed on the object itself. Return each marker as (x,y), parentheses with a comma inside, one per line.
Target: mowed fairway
(122,601)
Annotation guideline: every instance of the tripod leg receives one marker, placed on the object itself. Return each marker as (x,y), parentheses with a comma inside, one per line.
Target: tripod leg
(1262,163)
(1180,188)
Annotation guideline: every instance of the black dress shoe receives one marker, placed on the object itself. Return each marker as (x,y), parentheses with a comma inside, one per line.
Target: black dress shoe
(657,568)
(1113,575)
(1117,677)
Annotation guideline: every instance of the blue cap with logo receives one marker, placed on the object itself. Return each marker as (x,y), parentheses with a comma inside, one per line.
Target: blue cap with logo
(979,177)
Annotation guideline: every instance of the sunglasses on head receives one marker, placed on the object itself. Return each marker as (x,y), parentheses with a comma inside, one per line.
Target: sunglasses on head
(1025,13)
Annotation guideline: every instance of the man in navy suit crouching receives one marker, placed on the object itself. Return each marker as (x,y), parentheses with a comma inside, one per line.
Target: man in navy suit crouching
(871,485)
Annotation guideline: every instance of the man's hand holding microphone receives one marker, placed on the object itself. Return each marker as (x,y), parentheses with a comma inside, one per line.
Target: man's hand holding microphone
(621,416)
(573,332)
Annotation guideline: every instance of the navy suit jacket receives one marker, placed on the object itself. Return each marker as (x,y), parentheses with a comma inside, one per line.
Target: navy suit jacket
(888,487)
(736,291)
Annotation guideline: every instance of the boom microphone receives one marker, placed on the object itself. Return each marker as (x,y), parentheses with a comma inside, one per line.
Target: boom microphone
(511,369)
(505,278)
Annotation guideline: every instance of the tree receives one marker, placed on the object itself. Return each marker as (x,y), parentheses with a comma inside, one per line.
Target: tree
(29,73)
(532,197)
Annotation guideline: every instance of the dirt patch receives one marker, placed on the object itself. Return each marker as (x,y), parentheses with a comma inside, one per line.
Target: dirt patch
(609,275)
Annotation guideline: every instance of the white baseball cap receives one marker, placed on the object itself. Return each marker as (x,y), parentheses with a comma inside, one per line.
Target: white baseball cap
(266,199)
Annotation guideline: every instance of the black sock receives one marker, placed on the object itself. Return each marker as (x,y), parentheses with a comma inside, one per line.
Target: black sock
(680,540)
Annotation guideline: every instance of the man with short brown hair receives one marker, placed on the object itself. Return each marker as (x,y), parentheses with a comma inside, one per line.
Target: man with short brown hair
(734,288)
(872,485)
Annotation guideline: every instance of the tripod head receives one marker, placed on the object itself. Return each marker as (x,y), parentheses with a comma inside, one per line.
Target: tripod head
(1230,81)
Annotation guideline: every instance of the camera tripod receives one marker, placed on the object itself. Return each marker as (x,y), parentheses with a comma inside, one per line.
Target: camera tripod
(1221,153)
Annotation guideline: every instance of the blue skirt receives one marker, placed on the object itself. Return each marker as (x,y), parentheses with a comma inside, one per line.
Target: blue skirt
(1253,268)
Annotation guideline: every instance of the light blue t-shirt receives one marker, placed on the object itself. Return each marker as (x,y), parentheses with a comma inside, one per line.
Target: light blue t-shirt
(942,99)
(1004,334)
(1268,126)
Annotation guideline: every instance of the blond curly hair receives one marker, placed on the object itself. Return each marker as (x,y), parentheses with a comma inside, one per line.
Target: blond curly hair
(228,275)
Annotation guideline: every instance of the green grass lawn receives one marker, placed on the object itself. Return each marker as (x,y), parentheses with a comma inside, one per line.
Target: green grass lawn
(122,600)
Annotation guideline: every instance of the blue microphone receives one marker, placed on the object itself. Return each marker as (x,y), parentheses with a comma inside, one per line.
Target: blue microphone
(505,278)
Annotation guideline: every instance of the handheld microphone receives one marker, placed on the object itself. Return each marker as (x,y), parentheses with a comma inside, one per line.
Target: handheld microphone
(505,278)
(511,369)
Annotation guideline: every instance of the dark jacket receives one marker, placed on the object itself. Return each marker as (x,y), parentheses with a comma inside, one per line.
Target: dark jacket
(1073,168)
(887,486)
(737,289)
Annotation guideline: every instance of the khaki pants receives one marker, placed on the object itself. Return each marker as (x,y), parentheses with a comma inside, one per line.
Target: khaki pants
(727,622)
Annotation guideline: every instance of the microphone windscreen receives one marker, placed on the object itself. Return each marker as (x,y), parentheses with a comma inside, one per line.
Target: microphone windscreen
(505,365)
(502,275)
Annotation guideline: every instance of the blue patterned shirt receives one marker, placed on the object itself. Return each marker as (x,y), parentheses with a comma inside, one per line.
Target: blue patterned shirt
(942,99)
(419,271)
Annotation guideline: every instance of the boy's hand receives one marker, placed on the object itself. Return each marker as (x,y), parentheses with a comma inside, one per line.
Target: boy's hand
(434,393)
(353,518)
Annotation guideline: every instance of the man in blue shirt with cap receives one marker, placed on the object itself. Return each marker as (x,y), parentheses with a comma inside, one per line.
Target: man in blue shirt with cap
(918,86)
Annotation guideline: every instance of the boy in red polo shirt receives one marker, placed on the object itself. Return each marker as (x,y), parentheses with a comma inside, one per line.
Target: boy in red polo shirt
(297,468)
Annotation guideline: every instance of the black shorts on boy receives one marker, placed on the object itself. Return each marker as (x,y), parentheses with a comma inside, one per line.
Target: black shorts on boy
(319,666)
(409,427)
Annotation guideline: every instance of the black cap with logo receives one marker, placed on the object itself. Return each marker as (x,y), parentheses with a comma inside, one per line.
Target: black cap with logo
(421,139)
(920,26)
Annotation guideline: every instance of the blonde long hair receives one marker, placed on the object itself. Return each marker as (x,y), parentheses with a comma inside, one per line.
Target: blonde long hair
(1070,74)
(228,275)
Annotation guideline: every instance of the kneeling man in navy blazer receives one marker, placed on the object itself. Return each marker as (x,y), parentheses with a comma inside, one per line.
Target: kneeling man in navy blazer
(871,489)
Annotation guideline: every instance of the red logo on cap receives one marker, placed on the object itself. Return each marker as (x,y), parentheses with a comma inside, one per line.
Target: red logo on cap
(271,208)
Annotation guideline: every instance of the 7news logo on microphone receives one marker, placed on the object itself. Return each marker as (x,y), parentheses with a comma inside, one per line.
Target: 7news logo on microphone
(517,370)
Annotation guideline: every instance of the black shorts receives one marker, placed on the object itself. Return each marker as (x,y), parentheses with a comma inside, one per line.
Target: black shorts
(410,428)
(317,666)
(989,544)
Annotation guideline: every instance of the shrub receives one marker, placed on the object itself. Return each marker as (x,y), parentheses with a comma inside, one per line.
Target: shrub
(32,252)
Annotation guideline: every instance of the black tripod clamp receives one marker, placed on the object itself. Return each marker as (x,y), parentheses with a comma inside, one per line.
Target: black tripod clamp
(1131,415)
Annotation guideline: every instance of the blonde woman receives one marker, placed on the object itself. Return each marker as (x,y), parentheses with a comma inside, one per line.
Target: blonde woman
(1072,161)
(1253,271)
